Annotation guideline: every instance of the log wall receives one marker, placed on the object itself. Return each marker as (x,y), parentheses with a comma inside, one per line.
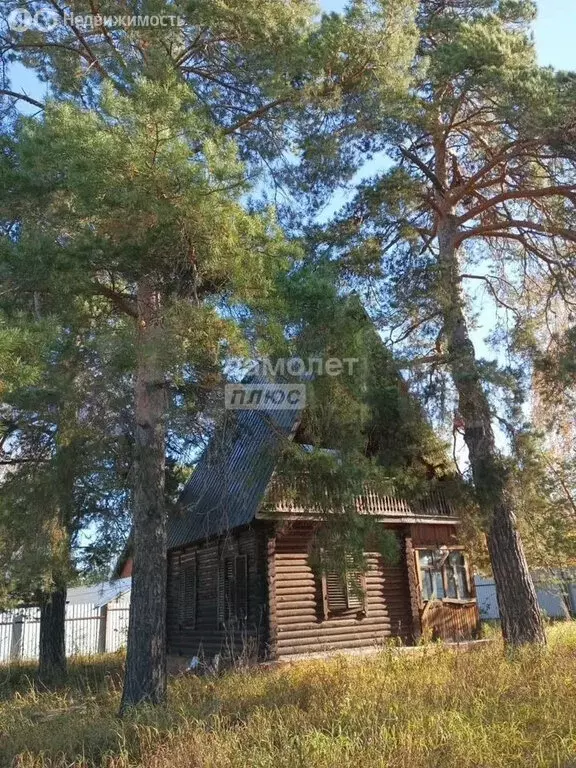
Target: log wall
(285,606)
(209,636)
(296,601)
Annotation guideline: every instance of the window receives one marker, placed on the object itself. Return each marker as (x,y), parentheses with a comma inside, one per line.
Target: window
(443,574)
(187,608)
(343,592)
(233,589)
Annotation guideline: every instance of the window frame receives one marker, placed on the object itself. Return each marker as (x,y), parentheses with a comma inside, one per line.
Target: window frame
(447,550)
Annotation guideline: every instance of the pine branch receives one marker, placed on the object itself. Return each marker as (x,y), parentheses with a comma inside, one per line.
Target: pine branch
(82,40)
(497,299)
(22,97)
(430,175)
(120,300)
(499,229)
(528,194)
(247,119)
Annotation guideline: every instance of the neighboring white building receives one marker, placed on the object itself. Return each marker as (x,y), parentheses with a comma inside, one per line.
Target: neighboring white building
(96,622)
(101,594)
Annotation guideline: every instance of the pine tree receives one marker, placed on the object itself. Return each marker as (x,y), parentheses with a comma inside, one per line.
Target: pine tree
(137,166)
(132,220)
(474,189)
(67,455)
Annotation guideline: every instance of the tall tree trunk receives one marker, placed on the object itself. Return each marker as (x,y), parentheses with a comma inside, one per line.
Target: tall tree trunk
(517,600)
(52,651)
(145,680)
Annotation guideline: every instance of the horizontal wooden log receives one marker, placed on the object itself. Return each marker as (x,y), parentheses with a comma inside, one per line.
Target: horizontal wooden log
(292,569)
(331,625)
(351,640)
(296,606)
(368,634)
(315,620)
(297,591)
(304,594)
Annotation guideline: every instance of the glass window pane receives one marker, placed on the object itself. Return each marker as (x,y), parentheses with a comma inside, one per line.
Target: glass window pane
(438,558)
(461,582)
(425,559)
(456,558)
(452,589)
(438,585)
(426,585)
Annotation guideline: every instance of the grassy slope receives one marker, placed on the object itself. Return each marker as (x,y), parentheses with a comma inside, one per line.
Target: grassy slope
(438,709)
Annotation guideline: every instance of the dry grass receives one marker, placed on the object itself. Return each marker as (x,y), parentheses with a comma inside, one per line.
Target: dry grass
(444,709)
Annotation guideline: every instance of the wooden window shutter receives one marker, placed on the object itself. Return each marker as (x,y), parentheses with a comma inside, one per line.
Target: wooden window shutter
(188,594)
(225,590)
(241,587)
(356,590)
(343,592)
(324,586)
(336,591)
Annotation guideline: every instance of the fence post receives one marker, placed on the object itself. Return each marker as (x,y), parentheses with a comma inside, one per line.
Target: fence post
(17,635)
(102,629)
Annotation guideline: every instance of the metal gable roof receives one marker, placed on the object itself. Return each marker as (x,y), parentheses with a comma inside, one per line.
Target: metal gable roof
(99,594)
(227,486)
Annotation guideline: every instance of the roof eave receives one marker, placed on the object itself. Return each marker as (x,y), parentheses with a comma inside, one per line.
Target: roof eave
(309,516)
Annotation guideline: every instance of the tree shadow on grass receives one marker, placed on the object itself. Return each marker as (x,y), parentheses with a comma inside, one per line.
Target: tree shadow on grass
(84,675)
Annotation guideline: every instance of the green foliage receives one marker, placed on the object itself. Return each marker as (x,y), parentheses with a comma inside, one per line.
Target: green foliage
(127,173)
(66,443)
(470,149)
(374,429)
(361,430)
(364,57)
(340,545)
(543,485)
(131,192)
(23,349)
(140,165)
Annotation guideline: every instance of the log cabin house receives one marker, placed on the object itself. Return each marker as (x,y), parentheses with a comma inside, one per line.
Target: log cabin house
(240,577)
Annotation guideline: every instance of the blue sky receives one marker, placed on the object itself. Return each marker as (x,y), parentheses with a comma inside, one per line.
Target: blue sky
(556,33)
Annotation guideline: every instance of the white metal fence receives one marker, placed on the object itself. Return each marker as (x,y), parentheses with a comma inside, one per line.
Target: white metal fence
(556,595)
(90,629)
